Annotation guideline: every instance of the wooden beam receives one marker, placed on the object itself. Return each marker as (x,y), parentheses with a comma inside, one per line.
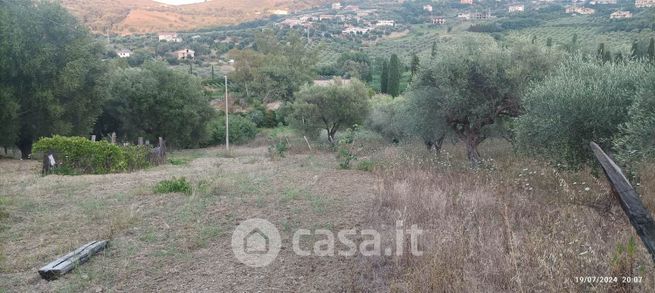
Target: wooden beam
(632,205)
(68,262)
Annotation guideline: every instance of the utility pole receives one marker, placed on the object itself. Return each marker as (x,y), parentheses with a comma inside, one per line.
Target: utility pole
(227,120)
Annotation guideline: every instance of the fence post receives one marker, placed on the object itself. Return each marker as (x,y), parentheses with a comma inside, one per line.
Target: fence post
(147,142)
(140,141)
(93,137)
(639,216)
(113,138)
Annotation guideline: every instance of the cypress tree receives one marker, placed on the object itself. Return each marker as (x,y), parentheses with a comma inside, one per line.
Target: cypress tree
(634,52)
(600,53)
(393,85)
(433,53)
(607,56)
(651,50)
(213,72)
(414,67)
(384,78)
(549,42)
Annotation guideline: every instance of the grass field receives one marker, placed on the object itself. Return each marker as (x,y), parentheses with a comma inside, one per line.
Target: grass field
(516,225)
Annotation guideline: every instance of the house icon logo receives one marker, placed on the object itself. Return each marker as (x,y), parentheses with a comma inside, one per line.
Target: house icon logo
(256,242)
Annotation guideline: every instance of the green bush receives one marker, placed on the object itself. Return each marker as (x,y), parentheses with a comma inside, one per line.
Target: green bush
(78,155)
(365,165)
(582,101)
(180,185)
(242,130)
(635,140)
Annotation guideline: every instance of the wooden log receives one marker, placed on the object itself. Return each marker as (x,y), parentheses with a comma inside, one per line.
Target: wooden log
(68,262)
(639,216)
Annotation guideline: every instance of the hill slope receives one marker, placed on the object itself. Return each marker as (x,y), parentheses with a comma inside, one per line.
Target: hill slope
(144,16)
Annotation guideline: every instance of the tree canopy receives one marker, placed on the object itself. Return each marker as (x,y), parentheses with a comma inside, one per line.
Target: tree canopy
(332,107)
(155,101)
(274,69)
(473,82)
(51,79)
(581,101)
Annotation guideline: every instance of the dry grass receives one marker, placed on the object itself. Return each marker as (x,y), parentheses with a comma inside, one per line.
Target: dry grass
(517,225)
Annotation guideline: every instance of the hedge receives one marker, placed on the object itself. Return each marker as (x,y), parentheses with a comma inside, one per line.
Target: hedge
(78,155)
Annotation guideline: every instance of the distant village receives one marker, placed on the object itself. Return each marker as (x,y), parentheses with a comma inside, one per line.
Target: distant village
(348,21)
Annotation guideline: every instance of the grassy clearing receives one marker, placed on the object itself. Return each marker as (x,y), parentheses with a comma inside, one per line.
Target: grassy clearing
(164,243)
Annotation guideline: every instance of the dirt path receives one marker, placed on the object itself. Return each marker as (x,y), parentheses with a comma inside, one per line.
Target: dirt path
(176,242)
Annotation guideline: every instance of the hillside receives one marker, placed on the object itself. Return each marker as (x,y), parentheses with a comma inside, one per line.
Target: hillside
(144,16)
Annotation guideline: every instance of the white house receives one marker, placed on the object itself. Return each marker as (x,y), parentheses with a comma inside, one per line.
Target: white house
(169,37)
(355,30)
(579,10)
(427,8)
(621,14)
(385,23)
(516,8)
(185,54)
(280,12)
(124,53)
(438,20)
(336,6)
(644,3)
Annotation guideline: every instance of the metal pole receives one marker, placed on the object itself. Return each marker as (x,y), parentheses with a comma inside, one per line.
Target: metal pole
(227,119)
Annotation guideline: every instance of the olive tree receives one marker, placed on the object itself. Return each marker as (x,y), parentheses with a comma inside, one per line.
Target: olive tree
(636,138)
(472,83)
(51,74)
(582,101)
(330,107)
(154,101)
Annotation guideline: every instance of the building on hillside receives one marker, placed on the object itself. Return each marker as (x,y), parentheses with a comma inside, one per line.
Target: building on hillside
(185,54)
(603,2)
(621,14)
(355,30)
(292,22)
(333,81)
(464,16)
(124,53)
(280,12)
(336,6)
(469,2)
(481,15)
(169,37)
(351,8)
(579,10)
(385,23)
(427,8)
(439,20)
(644,3)
(516,8)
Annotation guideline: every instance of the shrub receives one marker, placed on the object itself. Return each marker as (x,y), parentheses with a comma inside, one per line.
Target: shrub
(365,165)
(242,130)
(180,185)
(582,101)
(279,148)
(635,141)
(78,155)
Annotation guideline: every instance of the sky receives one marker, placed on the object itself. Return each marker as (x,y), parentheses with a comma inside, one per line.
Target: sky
(178,2)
